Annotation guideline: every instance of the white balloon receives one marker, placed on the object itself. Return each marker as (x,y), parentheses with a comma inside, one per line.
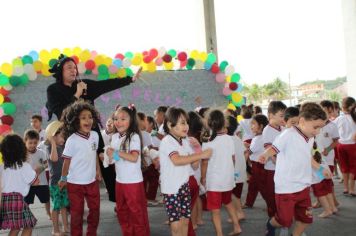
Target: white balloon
(18,70)
(8,87)
(229,70)
(32,76)
(81,68)
(161,51)
(28,68)
(126,63)
(199,64)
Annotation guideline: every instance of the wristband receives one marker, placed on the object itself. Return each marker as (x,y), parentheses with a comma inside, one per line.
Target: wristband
(116,156)
(63,178)
(319,173)
(328,149)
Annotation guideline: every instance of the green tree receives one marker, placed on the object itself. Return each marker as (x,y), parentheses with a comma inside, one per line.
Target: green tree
(334,96)
(254,93)
(277,90)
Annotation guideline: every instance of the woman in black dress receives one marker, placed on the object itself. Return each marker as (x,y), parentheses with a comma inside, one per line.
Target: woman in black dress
(68,88)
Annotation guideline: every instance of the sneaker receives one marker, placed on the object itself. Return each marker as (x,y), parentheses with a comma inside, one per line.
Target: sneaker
(270,229)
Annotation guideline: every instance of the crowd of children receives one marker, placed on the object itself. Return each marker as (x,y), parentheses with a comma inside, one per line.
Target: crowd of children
(200,160)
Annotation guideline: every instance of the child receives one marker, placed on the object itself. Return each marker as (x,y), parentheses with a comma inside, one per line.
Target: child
(17,177)
(240,166)
(152,128)
(257,181)
(244,129)
(36,124)
(159,117)
(54,145)
(175,156)
(291,116)
(347,145)
(270,133)
(38,160)
(293,174)
(108,131)
(125,151)
(218,172)
(80,170)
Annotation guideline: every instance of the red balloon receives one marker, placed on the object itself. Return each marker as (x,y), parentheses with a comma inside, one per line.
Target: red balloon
(144,53)
(215,68)
(182,56)
(76,59)
(4,92)
(7,99)
(7,120)
(4,129)
(183,63)
(119,56)
(233,86)
(90,65)
(153,53)
(147,59)
(167,58)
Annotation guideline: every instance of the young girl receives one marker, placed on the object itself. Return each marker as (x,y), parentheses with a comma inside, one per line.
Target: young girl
(152,128)
(347,145)
(244,130)
(108,131)
(218,172)
(125,151)
(258,176)
(54,144)
(80,170)
(175,159)
(17,177)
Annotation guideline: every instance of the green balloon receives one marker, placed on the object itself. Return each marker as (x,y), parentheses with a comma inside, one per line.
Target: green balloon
(103,76)
(15,81)
(17,62)
(52,62)
(129,72)
(172,52)
(112,76)
(88,72)
(191,62)
(129,55)
(228,97)
(223,65)
(24,79)
(27,59)
(9,108)
(211,58)
(103,69)
(235,77)
(4,80)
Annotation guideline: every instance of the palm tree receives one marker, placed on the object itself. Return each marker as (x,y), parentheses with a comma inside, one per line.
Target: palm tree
(254,93)
(277,90)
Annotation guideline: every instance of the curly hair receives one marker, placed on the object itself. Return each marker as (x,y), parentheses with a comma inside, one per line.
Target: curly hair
(70,116)
(13,151)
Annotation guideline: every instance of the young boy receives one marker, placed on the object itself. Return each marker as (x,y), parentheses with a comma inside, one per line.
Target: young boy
(270,133)
(160,113)
(36,124)
(38,160)
(291,116)
(293,174)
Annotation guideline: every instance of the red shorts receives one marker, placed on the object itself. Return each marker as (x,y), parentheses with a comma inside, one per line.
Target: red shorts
(322,189)
(347,158)
(294,204)
(238,190)
(215,199)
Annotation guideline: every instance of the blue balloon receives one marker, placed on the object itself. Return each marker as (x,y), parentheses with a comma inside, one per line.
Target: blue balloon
(239,87)
(34,55)
(207,66)
(118,63)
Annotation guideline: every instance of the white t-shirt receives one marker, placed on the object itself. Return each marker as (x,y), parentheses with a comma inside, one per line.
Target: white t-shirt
(347,129)
(161,130)
(220,173)
(37,159)
(293,163)
(146,138)
(106,137)
(81,150)
(256,148)
(172,176)
(245,129)
(127,172)
(269,134)
(240,162)
(315,177)
(42,135)
(327,135)
(18,180)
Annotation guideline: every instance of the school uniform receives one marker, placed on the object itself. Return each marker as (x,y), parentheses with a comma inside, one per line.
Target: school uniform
(174,179)
(131,204)
(293,177)
(258,178)
(347,145)
(14,211)
(321,187)
(81,150)
(269,134)
(220,173)
(245,129)
(240,166)
(42,135)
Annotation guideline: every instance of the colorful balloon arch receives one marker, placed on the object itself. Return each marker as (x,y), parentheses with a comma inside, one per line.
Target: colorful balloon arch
(24,69)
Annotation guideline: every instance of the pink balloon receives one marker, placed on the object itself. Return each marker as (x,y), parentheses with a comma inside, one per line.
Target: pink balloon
(220,78)
(113,69)
(159,61)
(95,71)
(226,91)
(93,54)
(1,112)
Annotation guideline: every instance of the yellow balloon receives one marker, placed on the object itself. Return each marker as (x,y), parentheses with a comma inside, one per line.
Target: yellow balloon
(236,97)
(84,56)
(231,107)
(194,54)
(6,69)
(239,118)
(45,69)
(228,79)
(17,62)
(136,60)
(99,60)
(121,73)
(1,99)
(37,65)
(77,51)
(55,53)
(203,56)
(45,56)
(168,66)
(151,67)
(68,52)
(1,160)
(107,61)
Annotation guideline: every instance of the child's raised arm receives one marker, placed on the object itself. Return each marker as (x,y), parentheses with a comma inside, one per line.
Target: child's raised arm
(54,155)
(184,160)
(269,152)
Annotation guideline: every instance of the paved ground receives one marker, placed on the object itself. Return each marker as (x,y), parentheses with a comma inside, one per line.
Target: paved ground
(344,223)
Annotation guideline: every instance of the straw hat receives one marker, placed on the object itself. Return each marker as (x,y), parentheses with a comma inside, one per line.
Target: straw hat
(53,127)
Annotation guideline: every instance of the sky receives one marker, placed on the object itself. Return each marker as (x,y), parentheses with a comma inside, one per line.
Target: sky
(261,39)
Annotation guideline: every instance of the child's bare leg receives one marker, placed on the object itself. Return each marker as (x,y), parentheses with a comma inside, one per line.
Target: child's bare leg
(184,225)
(352,183)
(325,204)
(217,221)
(330,198)
(65,220)
(176,228)
(26,232)
(194,216)
(233,215)
(199,211)
(55,221)
(14,232)
(48,209)
(346,181)
(299,228)
(240,212)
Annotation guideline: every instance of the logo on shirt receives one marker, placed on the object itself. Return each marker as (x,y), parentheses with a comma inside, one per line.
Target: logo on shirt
(326,135)
(93,146)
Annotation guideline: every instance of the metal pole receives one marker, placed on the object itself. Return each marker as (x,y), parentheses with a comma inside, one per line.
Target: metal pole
(210,27)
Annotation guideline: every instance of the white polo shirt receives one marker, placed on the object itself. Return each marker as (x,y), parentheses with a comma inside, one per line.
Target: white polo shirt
(240,162)
(127,172)
(221,169)
(37,159)
(269,134)
(106,137)
(315,177)
(172,176)
(293,163)
(18,180)
(256,148)
(347,129)
(327,135)
(81,150)
(245,128)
